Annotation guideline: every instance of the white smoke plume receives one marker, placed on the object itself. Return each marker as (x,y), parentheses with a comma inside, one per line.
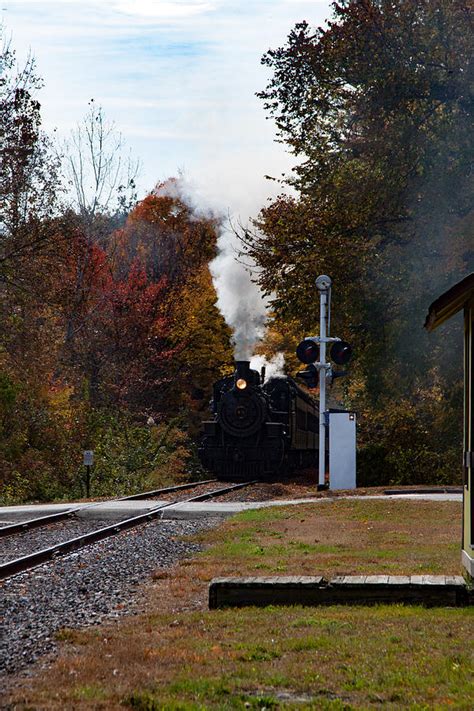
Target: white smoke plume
(182,189)
(274,367)
(239,299)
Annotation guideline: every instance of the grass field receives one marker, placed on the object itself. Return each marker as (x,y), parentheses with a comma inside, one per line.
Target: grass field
(181,656)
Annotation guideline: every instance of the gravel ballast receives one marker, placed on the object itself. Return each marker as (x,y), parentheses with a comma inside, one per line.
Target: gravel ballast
(86,587)
(22,544)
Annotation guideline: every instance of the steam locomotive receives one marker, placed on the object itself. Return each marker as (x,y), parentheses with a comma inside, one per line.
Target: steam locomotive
(259,429)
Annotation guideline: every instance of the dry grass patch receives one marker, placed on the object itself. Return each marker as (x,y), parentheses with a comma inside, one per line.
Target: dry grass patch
(182,656)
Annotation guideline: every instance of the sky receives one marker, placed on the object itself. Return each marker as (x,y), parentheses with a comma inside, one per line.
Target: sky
(178,78)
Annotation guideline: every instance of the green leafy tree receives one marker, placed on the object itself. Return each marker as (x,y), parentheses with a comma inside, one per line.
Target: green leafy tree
(377,107)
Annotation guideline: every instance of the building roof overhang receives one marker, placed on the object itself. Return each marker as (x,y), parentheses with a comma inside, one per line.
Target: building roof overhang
(450,302)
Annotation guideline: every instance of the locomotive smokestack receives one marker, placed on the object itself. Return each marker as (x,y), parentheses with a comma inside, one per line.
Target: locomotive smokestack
(242,369)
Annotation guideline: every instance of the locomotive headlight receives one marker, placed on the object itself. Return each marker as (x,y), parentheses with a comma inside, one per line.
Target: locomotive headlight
(241,384)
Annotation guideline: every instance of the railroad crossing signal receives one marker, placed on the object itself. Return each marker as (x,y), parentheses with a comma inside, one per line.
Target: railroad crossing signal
(309,376)
(308,351)
(312,352)
(341,352)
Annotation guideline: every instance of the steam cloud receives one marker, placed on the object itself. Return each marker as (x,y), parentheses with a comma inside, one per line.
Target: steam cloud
(273,367)
(239,299)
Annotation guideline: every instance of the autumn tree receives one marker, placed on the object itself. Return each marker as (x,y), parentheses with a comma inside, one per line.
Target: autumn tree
(378,108)
(147,333)
(176,245)
(164,231)
(28,170)
(35,454)
(100,176)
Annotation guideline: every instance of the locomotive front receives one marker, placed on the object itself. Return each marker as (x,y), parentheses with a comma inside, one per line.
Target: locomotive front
(242,442)
(241,411)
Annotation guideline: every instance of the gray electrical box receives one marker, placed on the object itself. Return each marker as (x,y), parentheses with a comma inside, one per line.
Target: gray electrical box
(342,450)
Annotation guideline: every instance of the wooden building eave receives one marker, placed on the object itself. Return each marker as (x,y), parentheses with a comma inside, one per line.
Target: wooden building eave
(450,302)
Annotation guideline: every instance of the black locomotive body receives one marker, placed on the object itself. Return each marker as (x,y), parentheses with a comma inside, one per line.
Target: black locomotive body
(259,429)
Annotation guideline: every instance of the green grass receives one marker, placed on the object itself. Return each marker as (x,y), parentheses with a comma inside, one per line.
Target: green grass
(91,692)
(263,515)
(199,694)
(338,657)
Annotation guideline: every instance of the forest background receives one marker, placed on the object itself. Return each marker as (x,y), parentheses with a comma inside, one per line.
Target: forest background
(111,336)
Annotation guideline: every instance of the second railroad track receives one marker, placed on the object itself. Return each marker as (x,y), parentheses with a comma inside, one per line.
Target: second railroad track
(39,557)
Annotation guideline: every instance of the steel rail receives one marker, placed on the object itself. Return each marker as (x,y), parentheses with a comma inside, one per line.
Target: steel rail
(22,526)
(31,523)
(225,490)
(169,489)
(19,565)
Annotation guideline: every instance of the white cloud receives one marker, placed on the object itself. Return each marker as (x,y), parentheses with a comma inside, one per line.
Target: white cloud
(162,10)
(118,12)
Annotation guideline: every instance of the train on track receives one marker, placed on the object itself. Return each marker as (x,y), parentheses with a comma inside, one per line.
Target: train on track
(259,429)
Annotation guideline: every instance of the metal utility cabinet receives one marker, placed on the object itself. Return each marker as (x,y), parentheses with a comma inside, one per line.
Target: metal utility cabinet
(342,450)
(461,297)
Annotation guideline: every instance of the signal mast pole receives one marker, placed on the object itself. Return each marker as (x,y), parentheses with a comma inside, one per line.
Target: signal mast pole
(308,352)
(323,285)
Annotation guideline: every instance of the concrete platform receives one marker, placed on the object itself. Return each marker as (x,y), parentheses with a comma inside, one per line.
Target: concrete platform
(428,590)
(117,510)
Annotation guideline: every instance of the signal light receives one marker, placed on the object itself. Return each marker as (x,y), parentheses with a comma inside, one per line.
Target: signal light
(309,376)
(341,352)
(307,351)
(336,374)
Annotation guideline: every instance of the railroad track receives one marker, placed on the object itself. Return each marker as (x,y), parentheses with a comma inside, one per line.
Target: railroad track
(41,521)
(32,560)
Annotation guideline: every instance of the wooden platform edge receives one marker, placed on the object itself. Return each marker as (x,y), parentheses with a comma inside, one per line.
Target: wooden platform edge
(429,591)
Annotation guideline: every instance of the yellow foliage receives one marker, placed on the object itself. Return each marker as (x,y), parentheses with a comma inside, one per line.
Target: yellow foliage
(60,399)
